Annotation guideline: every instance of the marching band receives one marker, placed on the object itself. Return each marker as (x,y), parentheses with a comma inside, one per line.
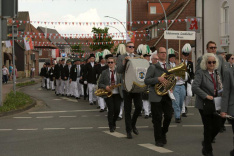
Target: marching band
(144,79)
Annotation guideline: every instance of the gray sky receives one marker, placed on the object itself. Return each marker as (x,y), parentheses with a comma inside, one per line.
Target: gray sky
(75,11)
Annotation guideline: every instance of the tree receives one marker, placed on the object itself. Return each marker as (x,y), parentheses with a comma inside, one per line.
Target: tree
(101,39)
(76,48)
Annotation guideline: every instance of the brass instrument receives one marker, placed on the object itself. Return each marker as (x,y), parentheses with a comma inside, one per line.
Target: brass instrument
(104,92)
(179,70)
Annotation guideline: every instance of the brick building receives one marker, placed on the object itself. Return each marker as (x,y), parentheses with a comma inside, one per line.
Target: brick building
(151,10)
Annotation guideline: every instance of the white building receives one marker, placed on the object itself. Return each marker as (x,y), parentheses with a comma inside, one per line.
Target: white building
(217,16)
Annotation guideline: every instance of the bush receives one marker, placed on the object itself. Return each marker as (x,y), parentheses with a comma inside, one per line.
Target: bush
(25,83)
(15,102)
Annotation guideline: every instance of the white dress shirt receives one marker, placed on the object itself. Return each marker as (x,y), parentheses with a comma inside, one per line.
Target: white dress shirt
(115,90)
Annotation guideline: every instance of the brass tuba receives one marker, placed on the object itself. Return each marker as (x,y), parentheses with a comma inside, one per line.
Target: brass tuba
(103,92)
(179,70)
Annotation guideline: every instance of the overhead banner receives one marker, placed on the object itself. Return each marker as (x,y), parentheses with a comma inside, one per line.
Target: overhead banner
(131,36)
(179,35)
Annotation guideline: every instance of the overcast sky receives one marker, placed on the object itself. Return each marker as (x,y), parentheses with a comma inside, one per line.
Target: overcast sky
(75,11)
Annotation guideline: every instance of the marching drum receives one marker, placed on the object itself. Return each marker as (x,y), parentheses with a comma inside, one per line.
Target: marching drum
(134,75)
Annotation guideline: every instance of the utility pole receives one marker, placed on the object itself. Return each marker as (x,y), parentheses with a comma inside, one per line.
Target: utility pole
(1,53)
(13,57)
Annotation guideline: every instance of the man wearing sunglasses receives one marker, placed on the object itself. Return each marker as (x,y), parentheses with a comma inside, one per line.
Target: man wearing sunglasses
(212,48)
(130,122)
(108,78)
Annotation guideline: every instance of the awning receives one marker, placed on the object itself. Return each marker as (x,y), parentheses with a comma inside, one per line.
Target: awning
(7,56)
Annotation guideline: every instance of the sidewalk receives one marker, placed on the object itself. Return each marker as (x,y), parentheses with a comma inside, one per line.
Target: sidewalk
(6,88)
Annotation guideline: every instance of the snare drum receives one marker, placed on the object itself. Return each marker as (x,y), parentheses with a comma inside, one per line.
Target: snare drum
(134,75)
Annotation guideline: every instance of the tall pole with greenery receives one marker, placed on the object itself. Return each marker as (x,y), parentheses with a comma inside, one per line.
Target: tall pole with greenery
(101,40)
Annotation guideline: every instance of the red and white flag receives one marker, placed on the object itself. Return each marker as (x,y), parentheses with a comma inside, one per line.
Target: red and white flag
(28,43)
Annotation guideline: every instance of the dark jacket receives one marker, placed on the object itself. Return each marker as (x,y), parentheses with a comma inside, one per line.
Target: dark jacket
(73,72)
(90,73)
(51,74)
(57,73)
(43,71)
(64,72)
(100,69)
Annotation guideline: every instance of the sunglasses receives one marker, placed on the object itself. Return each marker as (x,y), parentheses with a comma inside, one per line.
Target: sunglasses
(209,62)
(110,62)
(213,47)
(232,58)
(162,52)
(131,47)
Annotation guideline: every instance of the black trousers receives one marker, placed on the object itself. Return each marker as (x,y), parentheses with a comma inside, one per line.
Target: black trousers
(137,99)
(85,90)
(164,107)
(113,105)
(212,124)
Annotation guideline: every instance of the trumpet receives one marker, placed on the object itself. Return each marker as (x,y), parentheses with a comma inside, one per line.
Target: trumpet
(104,92)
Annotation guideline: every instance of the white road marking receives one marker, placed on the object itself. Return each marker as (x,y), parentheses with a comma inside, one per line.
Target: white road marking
(22,117)
(6,129)
(84,116)
(33,129)
(72,100)
(173,126)
(44,117)
(190,106)
(103,127)
(81,128)
(142,126)
(39,89)
(51,112)
(190,114)
(116,134)
(57,99)
(192,125)
(97,115)
(155,148)
(53,128)
(67,116)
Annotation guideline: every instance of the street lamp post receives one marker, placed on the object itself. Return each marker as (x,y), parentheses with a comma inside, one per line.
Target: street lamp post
(118,21)
(166,27)
(116,29)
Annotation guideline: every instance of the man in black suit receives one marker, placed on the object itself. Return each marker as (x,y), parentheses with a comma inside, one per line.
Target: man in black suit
(51,76)
(64,76)
(82,79)
(43,74)
(130,122)
(90,78)
(185,55)
(57,75)
(75,76)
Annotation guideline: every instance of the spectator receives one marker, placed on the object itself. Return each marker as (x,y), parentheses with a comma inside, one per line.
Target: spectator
(10,71)
(230,59)
(5,74)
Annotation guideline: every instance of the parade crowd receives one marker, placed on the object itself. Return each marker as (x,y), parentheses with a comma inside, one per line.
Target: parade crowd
(101,79)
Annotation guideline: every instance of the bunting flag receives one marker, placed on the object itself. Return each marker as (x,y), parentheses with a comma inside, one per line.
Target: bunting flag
(131,36)
(8,43)
(28,43)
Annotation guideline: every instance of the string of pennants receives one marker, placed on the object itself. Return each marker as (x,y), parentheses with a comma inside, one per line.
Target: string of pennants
(67,36)
(101,23)
(36,43)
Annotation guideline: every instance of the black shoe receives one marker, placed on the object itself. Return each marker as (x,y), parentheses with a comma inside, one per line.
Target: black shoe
(84,98)
(186,110)
(159,144)
(135,131)
(102,110)
(94,102)
(62,94)
(177,120)
(91,103)
(129,135)
(147,117)
(119,118)
(150,115)
(57,94)
(112,130)
(98,107)
(105,109)
(232,153)
(77,98)
(164,139)
(114,127)
(222,129)
(205,153)
(184,115)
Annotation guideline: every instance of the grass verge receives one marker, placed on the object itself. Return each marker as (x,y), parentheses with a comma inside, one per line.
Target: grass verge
(25,83)
(15,102)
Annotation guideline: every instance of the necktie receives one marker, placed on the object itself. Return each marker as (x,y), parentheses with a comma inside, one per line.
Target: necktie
(215,89)
(112,78)
(164,65)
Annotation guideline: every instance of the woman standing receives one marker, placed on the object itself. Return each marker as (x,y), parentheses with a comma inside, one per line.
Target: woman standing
(227,107)
(206,85)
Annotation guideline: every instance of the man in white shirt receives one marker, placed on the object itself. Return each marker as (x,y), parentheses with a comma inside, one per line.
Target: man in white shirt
(5,74)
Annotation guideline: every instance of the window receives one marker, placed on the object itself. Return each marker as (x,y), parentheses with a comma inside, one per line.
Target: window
(154,32)
(153,10)
(40,52)
(225,19)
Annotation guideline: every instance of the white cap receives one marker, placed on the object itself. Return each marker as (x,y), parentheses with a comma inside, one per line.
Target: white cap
(105,52)
(121,49)
(187,48)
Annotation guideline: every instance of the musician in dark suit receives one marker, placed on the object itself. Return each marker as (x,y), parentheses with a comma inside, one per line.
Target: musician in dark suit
(75,76)
(90,78)
(57,74)
(43,74)
(108,78)
(64,76)
(83,72)
(130,123)
(206,86)
(227,107)
(160,105)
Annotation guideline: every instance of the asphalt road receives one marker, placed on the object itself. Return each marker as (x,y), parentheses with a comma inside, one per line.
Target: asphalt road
(60,126)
